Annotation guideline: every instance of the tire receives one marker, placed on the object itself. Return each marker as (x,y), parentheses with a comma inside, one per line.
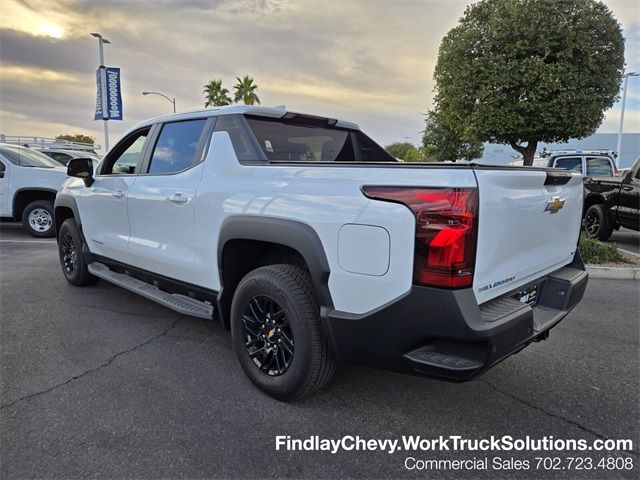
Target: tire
(74,266)
(38,219)
(596,223)
(292,358)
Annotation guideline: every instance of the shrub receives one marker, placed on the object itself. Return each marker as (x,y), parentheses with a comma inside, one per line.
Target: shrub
(595,252)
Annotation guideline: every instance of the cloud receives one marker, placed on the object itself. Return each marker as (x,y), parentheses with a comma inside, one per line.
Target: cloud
(68,56)
(367,61)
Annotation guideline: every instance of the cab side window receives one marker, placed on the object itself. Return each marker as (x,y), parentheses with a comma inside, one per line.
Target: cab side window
(176,147)
(2,169)
(127,154)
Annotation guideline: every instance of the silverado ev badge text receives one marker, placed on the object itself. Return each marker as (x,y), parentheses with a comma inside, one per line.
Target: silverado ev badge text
(554,205)
(496,284)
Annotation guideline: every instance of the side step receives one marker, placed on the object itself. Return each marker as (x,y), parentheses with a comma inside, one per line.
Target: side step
(429,357)
(179,303)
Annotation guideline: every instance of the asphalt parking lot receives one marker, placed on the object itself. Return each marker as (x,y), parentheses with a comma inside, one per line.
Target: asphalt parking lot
(627,240)
(99,383)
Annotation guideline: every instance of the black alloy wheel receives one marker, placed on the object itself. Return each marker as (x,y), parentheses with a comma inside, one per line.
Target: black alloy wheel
(269,339)
(596,224)
(68,252)
(592,223)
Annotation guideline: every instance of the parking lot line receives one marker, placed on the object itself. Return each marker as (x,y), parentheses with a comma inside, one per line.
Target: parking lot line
(28,241)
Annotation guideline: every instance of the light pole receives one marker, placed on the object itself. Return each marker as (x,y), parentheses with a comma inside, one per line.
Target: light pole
(103,88)
(162,95)
(624,101)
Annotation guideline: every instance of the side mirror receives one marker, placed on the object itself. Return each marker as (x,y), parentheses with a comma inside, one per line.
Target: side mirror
(81,168)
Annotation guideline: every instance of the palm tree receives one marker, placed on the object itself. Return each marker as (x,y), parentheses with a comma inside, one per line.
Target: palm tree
(246,91)
(215,95)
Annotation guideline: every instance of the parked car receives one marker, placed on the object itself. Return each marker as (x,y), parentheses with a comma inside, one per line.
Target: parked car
(590,163)
(29,181)
(611,203)
(313,245)
(63,156)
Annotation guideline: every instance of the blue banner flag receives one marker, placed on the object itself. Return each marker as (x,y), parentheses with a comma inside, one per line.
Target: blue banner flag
(109,97)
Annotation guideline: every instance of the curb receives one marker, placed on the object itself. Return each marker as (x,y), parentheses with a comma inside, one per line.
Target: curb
(634,254)
(614,273)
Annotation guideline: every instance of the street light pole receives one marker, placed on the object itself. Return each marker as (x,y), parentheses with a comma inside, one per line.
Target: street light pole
(624,101)
(172,100)
(103,87)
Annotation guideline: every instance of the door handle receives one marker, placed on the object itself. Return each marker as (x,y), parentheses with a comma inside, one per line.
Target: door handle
(119,194)
(178,197)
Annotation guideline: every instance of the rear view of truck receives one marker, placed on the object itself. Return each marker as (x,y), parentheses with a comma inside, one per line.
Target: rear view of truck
(495,267)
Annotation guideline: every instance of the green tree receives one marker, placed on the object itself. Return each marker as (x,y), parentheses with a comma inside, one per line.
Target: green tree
(215,95)
(405,151)
(245,91)
(519,72)
(441,141)
(77,137)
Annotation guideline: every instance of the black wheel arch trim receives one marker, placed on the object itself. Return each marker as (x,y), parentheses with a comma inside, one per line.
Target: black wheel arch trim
(28,189)
(67,201)
(289,233)
(591,199)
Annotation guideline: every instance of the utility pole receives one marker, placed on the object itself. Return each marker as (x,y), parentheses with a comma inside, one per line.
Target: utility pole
(103,88)
(624,101)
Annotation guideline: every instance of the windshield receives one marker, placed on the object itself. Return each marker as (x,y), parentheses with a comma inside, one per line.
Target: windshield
(25,157)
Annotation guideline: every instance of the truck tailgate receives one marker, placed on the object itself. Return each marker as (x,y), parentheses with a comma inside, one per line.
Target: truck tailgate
(529,223)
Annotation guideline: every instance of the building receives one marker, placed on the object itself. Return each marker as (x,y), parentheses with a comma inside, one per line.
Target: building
(501,154)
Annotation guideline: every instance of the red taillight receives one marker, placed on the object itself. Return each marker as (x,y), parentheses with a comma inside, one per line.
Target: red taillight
(446,232)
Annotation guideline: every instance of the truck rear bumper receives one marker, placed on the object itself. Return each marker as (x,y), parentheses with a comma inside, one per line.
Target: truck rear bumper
(445,334)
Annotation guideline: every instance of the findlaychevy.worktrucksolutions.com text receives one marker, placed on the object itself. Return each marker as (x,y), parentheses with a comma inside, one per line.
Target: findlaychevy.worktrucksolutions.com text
(505,443)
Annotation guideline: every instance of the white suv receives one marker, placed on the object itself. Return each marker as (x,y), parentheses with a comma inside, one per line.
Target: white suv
(29,181)
(313,245)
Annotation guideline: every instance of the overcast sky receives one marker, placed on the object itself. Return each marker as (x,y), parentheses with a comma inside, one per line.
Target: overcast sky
(368,61)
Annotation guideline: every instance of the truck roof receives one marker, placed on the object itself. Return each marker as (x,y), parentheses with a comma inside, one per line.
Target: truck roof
(273,112)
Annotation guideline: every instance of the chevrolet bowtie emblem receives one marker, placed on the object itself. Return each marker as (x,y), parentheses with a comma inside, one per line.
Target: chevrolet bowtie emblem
(554,205)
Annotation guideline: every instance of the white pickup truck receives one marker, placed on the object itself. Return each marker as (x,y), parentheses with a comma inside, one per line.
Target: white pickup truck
(313,245)
(29,181)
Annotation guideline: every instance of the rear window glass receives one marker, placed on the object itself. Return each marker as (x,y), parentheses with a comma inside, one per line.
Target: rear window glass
(599,167)
(569,163)
(295,141)
(59,157)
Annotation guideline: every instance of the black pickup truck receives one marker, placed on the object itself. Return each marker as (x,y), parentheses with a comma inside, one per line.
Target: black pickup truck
(611,203)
